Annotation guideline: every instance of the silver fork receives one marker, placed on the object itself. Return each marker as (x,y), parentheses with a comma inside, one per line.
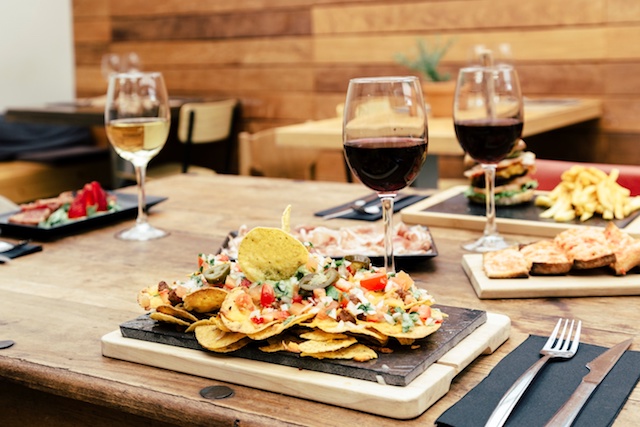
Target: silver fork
(562,346)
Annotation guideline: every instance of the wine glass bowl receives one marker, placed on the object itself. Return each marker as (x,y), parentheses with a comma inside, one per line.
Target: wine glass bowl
(137,121)
(385,139)
(488,121)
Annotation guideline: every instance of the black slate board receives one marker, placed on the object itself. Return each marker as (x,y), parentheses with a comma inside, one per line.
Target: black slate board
(128,209)
(460,205)
(397,368)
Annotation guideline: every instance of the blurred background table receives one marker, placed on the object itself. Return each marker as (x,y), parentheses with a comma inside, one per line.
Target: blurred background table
(541,115)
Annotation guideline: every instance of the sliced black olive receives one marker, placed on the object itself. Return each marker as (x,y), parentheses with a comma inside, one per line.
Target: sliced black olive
(319,280)
(217,274)
(358,262)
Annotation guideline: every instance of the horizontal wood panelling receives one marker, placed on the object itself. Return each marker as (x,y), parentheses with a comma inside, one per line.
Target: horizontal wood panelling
(282,50)
(623,11)
(290,60)
(387,17)
(252,24)
(178,7)
(90,8)
(92,30)
(540,45)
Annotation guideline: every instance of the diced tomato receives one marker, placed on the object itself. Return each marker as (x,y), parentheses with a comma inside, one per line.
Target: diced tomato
(267,295)
(424,311)
(296,298)
(258,320)
(374,282)
(245,282)
(243,302)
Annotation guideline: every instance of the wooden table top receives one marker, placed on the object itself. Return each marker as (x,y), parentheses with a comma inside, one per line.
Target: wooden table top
(57,305)
(83,112)
(540,116)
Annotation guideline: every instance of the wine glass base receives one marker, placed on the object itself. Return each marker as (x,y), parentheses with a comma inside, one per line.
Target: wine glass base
(141,232)
(488,244)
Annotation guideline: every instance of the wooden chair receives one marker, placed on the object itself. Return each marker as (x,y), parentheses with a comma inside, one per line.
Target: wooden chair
(200,123)
(205,123)
(260,156)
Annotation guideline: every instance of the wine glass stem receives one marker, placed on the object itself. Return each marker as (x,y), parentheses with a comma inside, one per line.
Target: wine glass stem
(141,172)
(490,200)
(387,218)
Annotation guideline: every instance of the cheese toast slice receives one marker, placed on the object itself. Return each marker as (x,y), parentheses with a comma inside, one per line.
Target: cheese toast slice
(625,247)
(506,263)
(586,247)
(546,258)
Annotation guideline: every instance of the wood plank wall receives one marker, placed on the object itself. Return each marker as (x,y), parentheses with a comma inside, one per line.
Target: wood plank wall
(290,60)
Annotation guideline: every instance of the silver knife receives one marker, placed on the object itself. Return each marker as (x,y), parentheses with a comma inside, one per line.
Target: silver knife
(599,368)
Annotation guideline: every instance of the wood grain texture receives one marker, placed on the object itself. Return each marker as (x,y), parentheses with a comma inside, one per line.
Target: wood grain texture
(58,313)
(268,52)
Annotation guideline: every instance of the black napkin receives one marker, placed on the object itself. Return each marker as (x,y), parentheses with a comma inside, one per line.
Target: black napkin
(400,203)
(21,250)
(551,388)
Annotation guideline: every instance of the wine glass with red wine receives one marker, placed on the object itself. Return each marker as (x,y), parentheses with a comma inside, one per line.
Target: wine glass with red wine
(488,119)
(385,140)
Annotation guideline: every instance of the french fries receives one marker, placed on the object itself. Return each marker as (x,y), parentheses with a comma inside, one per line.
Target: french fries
(586,191)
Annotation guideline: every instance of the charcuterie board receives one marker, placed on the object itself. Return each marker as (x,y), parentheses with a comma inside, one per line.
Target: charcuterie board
(598,282)
(400,402)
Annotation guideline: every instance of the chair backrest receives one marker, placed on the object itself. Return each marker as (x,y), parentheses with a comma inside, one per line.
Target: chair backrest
(259,155)
(212,121)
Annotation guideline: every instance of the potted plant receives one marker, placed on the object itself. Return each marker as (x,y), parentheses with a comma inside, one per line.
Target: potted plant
(438,87)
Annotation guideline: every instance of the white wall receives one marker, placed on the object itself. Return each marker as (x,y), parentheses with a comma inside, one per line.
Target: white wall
(36,52)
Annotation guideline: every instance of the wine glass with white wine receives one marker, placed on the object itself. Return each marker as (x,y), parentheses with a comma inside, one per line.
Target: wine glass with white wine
(137,120)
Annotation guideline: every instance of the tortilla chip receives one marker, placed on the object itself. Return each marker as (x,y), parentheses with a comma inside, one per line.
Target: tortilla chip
(167,318)
(418,331)
(178,312)
(286,220)
(270,254)
(311,347)
(319,335)
(210,321)
(212,338)
(278,328)
(234,346)
(282,343)
(204,300)
(357,352)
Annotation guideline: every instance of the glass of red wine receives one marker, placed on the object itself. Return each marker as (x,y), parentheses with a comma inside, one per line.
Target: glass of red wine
(488,119)
(385,140)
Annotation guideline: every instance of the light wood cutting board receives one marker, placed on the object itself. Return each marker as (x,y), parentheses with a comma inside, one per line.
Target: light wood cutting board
(381,399)
(595,283)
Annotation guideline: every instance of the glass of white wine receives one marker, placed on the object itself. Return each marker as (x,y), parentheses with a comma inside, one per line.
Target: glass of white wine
(137,120)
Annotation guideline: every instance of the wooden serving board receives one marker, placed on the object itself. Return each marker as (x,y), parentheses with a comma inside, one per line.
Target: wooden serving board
(402,402)
(598,282)
(450,208)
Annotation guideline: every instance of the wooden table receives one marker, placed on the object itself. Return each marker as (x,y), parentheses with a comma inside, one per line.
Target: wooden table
(57,305)
(540,116)
(84,112)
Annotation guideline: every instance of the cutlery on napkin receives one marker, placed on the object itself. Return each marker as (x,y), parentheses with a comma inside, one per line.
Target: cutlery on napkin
(552,388)
(9,251)
(347,211)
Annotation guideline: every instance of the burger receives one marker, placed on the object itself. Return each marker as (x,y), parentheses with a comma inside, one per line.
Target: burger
(514,178)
